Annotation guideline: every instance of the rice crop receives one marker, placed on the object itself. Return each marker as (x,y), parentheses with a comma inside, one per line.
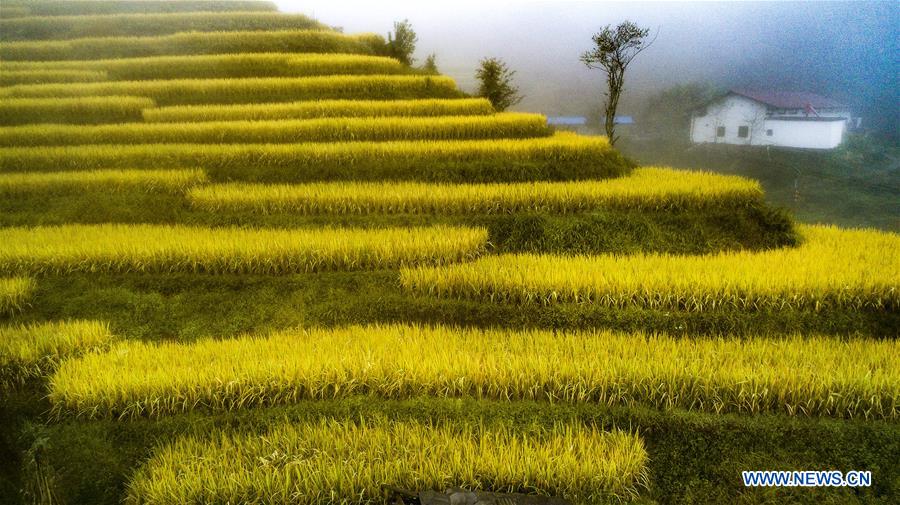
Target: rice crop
(79,110)
(193,43)
(337,461)
(794,375)
(33,351)
(505,125)
(13,11)
(250,90)
(151,181)
(560,157)
(320,109)
(138,25)
(645,188)
(146,248)
(220,66)
(15,77)
(14,293)
(833,268)
(87,7)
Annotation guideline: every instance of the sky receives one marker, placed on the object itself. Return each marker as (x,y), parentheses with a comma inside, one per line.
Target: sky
(845,50)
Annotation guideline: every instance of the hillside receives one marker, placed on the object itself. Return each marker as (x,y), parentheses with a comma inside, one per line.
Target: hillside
(246,258)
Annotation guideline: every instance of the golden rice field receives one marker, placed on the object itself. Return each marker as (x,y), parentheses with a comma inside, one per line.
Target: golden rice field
(151,181)
(14,77)
(218,66)
(146,248)
(330,461)
(78,110)
(250,90)
(84,7)
(136,25)
(33,351)
(559,156)
(645,188)
(833,268)
(510,125)
(314,109)
(14,293)
(794,375)
(191,43)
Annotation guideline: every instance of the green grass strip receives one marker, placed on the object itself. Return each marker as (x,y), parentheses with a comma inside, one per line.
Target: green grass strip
(16,77)
(33,351)
(151,181)
(505,125)
(87,7)
(251,90)
(146,248)
(193,43)
(334,461)
(320,109)
(646,188)
(14,294)
(138,25)
(795,375)
(79,110)
(832,268)
(220,66)
(560,157)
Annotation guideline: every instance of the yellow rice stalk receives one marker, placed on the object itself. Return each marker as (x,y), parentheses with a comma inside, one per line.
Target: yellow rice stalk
(794,375)
(146,248)
(35,350)
(218,66)
(332,461)
(14,293)
(79,110)
(833,268)
(250,90)
(505,125)
(164,181)
(192,43)
(14,77)
(645,188)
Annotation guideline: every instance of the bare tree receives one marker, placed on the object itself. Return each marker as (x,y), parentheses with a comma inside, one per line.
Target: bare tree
(613,51)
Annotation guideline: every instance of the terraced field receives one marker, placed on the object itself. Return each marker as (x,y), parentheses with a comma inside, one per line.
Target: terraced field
(247,258)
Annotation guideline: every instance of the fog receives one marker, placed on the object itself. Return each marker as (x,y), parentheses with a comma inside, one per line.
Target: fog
(845,50)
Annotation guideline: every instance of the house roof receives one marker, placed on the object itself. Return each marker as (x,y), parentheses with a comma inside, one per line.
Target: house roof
(788,99)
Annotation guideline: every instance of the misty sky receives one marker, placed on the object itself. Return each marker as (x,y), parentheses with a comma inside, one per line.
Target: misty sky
(846,50)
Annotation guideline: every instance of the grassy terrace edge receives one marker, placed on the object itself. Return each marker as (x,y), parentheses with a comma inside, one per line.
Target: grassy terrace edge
(798,375)
(349,462)
(14,293)
(832,268)
(146,248)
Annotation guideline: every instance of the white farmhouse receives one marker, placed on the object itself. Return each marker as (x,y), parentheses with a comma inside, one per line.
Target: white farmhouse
(781,119)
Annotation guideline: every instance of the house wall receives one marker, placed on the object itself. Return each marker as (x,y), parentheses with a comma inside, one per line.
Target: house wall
(735,111)
(805,134)
(731,112)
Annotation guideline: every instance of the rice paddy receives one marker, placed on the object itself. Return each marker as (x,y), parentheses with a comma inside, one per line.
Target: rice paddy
(795,375)
(151,181)
(500,126)
(833,268)
(15,77)
(85,7)
(645,188)
(320,109)
(331,461)
(79,110)
(145,248)
(32,351)
(250,90)
(14,294)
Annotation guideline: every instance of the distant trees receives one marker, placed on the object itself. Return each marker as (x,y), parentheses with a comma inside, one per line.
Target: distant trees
(496,83)
(666,115)
(402,42)
(613,51)
(430,66)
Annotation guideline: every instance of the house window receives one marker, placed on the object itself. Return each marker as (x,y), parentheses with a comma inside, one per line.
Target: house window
(743,132)
(720,131)
(768,133)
